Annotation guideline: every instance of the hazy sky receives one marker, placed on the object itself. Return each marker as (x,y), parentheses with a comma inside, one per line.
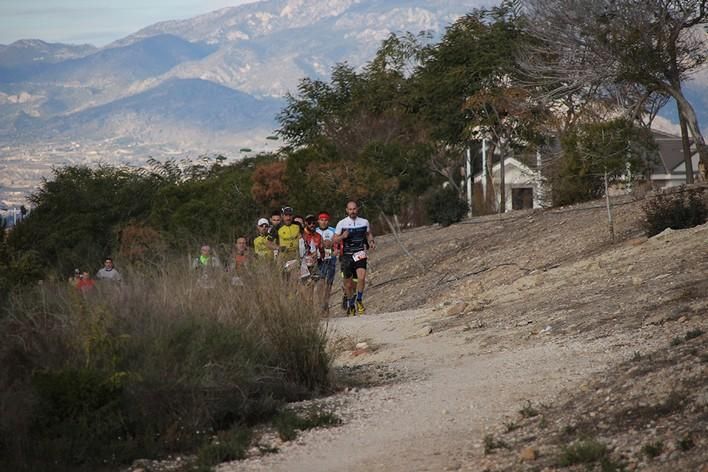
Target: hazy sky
(93,21)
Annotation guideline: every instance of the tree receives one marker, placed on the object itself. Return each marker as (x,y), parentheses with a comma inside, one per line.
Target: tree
(616,149)
(76,214)
(601,44)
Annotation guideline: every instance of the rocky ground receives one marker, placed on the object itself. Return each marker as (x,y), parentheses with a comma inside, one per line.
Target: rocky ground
(529,341)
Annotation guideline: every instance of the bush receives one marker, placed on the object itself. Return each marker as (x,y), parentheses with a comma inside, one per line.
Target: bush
(684,209)
(151,366)
(445,206)
(583,452)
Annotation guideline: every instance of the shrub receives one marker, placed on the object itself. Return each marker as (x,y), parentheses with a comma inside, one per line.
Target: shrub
(445,206)
(229,445)
(150,366)
(684,209)
(653,449)
(491,444)
(528,410)
(288,422)
(583,452)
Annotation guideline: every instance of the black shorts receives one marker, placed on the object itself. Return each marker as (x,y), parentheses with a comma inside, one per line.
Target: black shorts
(349,266)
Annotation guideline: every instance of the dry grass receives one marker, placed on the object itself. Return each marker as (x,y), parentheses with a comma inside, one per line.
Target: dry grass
(151,365)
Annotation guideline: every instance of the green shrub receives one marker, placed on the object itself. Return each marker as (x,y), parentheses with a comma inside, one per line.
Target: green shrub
(694,333)
(151,366)
(528,410)
(654,449)
(491,444)
(229,445)
(445,206)
(288,422)
(583,452)
(684,209)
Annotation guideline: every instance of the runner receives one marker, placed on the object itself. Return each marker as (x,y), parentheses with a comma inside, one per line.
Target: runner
(261,243)
(313,251)
(275,220)
(287,238)
(328,265)
(355,234)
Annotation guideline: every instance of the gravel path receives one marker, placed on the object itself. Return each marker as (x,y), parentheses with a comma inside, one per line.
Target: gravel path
(436,416)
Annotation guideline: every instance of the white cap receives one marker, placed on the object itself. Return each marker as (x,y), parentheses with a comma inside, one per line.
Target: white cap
(263,221)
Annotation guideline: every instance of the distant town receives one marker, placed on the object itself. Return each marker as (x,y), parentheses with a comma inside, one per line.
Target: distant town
(22,166)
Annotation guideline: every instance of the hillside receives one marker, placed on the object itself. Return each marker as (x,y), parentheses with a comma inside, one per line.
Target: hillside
(504,339)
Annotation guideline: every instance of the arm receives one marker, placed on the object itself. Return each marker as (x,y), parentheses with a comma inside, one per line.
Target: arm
(370,239)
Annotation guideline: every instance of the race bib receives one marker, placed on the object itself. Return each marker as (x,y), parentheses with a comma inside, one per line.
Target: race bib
(290,265)
(359,256)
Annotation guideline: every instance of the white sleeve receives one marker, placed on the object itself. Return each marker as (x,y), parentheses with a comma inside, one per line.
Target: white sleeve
(339,228)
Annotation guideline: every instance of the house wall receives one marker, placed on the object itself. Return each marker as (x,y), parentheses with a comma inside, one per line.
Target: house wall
(516,177)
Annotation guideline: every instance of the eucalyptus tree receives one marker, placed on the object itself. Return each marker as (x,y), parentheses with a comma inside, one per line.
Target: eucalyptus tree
(598,45)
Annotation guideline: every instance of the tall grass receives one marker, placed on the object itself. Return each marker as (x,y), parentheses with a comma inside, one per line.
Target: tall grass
(153,365)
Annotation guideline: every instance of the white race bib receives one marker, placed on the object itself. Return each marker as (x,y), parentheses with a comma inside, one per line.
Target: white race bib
(359,256)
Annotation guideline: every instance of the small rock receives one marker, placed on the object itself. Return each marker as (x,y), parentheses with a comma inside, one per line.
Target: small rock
(254,452)
(683,319)
(454,467)
(524,323)
(667,232)
(636,281)
(546,330)
(362,345)
(424,331)
(457,309)
(636,241)
(528,454)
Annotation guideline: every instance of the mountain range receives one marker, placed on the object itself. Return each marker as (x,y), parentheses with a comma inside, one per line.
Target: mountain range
(217,78)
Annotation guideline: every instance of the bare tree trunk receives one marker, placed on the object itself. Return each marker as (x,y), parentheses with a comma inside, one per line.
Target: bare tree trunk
(689,115)
(686,149)
(502,178)
(609,208)
(400,243)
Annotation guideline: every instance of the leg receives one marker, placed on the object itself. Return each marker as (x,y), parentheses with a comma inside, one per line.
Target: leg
(361,279)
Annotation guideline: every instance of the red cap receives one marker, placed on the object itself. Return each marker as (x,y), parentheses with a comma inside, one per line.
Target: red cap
(323,216)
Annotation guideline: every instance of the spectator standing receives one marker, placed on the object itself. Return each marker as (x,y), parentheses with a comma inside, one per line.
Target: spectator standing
(108,271)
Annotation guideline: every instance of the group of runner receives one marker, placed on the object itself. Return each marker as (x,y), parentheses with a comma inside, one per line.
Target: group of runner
(310,247)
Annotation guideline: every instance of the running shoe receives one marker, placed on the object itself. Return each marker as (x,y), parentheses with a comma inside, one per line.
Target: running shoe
(351,311)
(360,307)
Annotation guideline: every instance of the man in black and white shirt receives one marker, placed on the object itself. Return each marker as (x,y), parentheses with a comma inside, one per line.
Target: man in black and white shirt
(355,235)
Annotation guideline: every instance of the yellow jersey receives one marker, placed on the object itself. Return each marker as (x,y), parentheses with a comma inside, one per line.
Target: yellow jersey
(261,248)
(289,240)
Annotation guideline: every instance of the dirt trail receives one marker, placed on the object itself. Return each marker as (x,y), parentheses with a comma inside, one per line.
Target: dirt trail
(556,307)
